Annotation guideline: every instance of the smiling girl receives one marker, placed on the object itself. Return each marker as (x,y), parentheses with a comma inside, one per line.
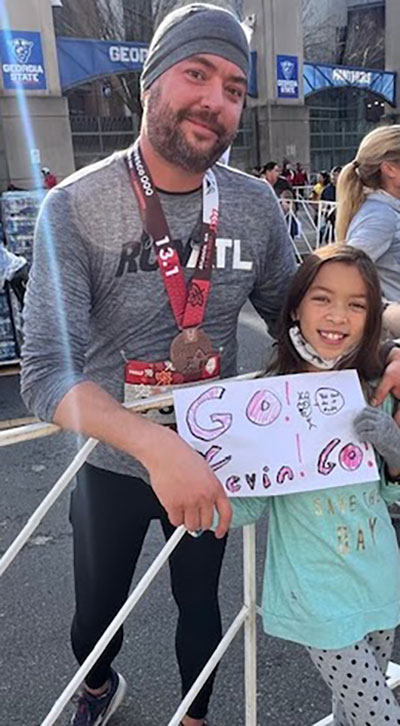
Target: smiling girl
(332,574)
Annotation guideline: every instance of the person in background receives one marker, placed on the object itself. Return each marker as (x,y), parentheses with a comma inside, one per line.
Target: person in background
(49,179)
(271,173)
(315,197)
(328,194)
(288,207)
(368,213)
(300,178)
(287,171)
(319,186)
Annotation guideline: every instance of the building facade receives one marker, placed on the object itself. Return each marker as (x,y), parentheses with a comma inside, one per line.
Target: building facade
(360,36)
(34,117)
(321,73)
(281,114)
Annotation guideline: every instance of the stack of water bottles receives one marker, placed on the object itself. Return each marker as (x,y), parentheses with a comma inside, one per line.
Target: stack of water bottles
(19,211)
(8,350)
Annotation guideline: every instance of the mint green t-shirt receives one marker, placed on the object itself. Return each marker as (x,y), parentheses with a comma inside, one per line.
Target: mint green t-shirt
(332,571)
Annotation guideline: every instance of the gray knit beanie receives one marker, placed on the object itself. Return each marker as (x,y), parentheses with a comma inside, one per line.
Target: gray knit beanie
(191,30)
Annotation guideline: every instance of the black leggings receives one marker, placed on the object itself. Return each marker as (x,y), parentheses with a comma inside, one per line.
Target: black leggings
(110,515)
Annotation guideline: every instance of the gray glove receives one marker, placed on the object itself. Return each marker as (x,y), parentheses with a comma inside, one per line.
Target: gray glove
(379,428)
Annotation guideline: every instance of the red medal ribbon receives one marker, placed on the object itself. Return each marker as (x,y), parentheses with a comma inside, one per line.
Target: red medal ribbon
(188,303)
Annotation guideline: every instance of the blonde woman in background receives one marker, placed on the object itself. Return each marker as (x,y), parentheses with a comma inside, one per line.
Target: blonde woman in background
(368,213)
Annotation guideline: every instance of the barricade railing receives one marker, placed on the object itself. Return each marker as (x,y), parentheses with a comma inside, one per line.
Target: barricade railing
(310,224)
(246,617)
(304,190)
(34,431)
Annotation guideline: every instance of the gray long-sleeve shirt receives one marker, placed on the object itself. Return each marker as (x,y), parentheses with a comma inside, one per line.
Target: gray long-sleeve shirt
(375,228)
(96,294)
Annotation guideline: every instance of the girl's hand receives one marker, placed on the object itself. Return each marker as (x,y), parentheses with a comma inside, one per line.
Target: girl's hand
(379,428)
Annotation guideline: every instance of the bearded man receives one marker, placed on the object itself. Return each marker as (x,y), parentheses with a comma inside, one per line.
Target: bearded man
(151,254)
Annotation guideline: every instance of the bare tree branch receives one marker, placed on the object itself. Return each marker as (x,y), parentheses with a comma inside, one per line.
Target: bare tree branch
(365,44)
(351,37)
(319,33)
(110,20)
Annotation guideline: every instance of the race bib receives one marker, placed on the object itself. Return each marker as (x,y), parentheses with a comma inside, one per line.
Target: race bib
(144,379)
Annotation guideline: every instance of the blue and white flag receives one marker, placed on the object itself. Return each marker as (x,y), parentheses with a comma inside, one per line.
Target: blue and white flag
(22,62)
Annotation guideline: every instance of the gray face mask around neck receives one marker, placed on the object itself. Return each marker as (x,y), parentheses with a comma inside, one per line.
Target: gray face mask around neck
(308,353)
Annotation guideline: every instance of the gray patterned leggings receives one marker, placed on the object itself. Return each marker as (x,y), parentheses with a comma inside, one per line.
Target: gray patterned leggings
(356,677)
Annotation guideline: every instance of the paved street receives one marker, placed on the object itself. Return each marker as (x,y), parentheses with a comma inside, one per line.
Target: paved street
(36,604)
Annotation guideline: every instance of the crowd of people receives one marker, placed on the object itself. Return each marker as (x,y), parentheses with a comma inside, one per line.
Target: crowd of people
(282,177)
(126,236)
(318,190)
(359,203)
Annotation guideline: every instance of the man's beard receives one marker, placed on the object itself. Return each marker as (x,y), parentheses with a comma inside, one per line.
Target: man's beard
(163,127)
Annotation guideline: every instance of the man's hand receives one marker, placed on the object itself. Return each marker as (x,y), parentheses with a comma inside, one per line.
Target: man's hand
(391,378)
(181,479)
(185,485)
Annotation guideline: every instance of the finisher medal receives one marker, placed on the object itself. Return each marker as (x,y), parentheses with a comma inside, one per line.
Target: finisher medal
(190,351)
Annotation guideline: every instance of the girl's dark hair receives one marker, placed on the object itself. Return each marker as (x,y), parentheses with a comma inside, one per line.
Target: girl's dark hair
(366,358)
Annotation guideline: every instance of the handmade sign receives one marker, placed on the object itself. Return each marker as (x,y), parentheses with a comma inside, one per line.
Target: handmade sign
(278,435)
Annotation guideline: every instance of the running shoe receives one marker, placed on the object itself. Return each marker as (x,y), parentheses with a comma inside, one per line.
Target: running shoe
(96,710)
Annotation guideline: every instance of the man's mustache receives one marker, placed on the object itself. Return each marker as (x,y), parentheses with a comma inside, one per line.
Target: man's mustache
(206,117)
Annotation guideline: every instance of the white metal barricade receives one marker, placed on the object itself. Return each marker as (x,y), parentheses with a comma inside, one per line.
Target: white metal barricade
(313,222)
(302,191)
(245,618)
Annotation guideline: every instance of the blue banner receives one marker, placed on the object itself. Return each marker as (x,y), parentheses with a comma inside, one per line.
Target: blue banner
(22,62)
(252,83)
(287,76)
(82,60)
(318,76)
